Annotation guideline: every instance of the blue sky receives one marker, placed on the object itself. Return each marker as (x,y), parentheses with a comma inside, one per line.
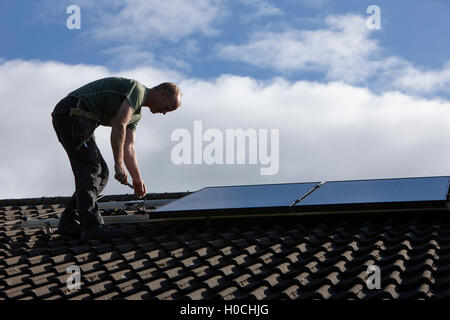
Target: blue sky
(414,30)
(349,102)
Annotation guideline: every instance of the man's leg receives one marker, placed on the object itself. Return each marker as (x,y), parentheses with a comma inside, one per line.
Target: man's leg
(69,222)
(87,168)
(90,181)
(91,175)
(70,214)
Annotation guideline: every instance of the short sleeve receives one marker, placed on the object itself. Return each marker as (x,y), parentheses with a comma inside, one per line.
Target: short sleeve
(134,121)
(135,95)
(132,126)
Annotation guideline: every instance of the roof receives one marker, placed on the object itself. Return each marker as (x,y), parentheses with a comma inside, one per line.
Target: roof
(309,257)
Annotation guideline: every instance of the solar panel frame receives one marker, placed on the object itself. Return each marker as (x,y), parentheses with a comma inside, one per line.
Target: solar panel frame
(320,201)
(261,198)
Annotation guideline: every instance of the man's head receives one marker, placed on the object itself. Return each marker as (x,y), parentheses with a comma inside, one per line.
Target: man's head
(164,98)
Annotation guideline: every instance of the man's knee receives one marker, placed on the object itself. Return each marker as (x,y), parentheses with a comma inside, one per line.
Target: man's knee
(87,180)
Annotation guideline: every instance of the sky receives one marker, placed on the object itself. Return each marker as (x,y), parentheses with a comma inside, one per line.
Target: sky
(330,89)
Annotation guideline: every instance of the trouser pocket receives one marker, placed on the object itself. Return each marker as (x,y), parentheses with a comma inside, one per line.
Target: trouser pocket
(82,129)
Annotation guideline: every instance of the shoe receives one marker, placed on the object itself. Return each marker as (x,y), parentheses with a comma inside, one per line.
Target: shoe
(68,226)
(101,232)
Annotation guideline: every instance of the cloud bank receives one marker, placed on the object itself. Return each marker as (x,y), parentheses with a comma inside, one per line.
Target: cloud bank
(328,131)
(344,49)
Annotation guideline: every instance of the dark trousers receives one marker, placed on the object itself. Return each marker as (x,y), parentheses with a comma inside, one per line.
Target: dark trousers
(88,167)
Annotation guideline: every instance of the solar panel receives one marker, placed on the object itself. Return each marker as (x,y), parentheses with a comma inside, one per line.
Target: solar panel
(267,197)
(402,191)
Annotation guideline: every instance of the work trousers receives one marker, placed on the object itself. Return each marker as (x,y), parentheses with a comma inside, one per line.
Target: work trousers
(88,166)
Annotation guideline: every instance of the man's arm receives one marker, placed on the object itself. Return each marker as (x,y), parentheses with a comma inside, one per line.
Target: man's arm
(118,133)
(131,164)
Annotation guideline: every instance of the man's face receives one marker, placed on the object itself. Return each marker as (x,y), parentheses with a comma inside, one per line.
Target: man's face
(163,103)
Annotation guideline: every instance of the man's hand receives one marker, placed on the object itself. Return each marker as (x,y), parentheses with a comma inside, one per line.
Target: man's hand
(139,188)
(121,174)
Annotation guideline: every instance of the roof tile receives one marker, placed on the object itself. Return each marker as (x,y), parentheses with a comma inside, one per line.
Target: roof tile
(129,286)
(157,284)
(140,295)
(121,275)
(292,292)
(15,280)
(109,296)
(18,291)
(185,283)
(168,295)
(41,279)
(214,281)
(147,273)
(229,293)
(15,270)
(259,293)
(198,294)
(100,288)
(94,276)
(190,262)
(46,290)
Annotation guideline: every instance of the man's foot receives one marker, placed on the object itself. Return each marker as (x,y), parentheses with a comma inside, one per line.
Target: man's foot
(68,225)
(101,232)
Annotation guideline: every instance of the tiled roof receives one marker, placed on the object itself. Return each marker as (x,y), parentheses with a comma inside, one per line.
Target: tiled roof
(323,257)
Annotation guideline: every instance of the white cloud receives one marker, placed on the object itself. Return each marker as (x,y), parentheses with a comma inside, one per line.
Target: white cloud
(146,20)
(139,21)
(421,81)
(261,9)
(130,56)
(313,3)
(327,131)
(344,50)
(341,50)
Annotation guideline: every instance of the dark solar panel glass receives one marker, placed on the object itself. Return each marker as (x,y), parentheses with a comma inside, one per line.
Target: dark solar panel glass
(241,197)
(379,191)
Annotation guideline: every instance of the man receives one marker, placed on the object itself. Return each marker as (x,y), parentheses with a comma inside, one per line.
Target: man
(114,102)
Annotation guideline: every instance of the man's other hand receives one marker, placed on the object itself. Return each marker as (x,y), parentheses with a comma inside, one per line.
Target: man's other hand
(121,174)
(139,188)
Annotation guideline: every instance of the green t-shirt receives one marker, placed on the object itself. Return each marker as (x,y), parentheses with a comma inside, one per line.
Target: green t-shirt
(104,97)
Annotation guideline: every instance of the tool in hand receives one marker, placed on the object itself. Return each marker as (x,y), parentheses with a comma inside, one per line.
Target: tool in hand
(128,184)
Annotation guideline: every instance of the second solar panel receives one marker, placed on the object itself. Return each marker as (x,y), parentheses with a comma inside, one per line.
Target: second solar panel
(420,192)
